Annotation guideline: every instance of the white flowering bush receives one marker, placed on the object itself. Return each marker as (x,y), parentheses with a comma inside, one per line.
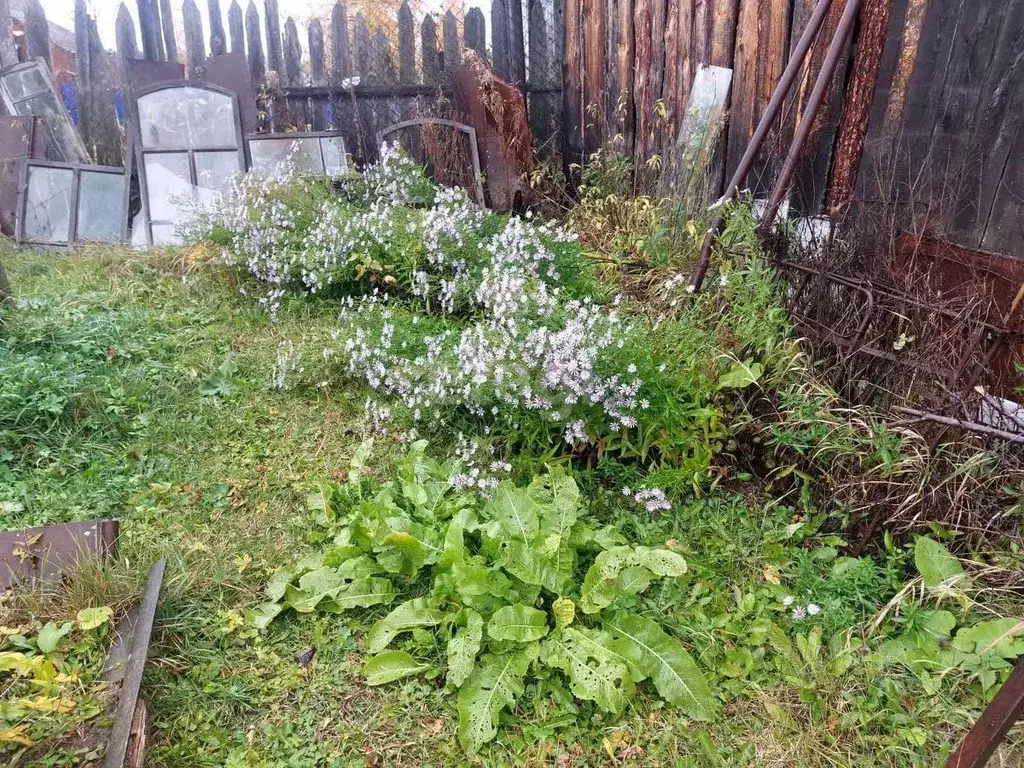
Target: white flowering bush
(458,319)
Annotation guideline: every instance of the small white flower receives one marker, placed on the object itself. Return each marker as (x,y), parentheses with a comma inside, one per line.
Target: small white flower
(813,609)
(626,491)
(799,614)
(787,600)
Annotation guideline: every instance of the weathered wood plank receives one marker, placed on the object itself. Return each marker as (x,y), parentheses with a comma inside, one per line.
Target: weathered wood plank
(516,44)
(406,45)
(385,57)
(272,23)
(762,34)
(195,46)
(124,35)
(641,79)
(723,32)
(257,63)
(541,105)
(292,53)
(670,85)
(700,45)
(218,38)
(475,32)
(450,30)
(236,28)
(167,31)
(594,99)
(500,39)
(860,94)
(623,87)
(361,58)
(341,66)
(37,32)
(8,50)
(572,87)
(657,76)
(105,142)
(428,42)
(149,26)
(317,54)
(83,74)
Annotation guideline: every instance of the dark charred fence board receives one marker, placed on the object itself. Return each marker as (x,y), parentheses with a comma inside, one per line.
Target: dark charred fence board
(257,61)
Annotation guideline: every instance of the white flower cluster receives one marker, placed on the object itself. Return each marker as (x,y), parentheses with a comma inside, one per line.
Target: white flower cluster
(801,612)
(480,470)
(549,366)
(652,499)
(395,178)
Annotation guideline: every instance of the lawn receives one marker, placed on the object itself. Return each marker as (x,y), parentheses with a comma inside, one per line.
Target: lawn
(157,388)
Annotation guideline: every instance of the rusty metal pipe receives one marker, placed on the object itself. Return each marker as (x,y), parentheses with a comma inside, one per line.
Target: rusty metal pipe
(771,112)
(803,132)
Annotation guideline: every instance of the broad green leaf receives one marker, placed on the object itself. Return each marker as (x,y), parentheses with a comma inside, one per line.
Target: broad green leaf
(514,511)
(50,635)
(408,615)
(655,654)
(90,618)
(935,564)
(564,611)
(626,570)
(595,674)
(359,459)
(401,552)
(314,587)
(996,636)
(362,593)
(528,564)
(390,666)
(276,586)
(741,375)
(518,623)
(496,683)
(264,613)
(319,501)
(464,646)
(559,501)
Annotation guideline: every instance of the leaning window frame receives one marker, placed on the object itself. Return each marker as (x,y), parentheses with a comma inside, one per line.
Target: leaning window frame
(258,137)
(140,152)
(469,130)
(76,179)
(70,130)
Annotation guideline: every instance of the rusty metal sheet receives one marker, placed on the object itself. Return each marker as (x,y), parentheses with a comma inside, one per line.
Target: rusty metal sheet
(129,661)
(143,73)
(46,553)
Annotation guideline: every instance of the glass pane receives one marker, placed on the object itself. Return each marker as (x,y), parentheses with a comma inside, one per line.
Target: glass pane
(269,156)
(48,204)
(54,119)
(216,170)
(100,206)
(180,118)
(27,82)
(335,161)
(164,234)
(169,185)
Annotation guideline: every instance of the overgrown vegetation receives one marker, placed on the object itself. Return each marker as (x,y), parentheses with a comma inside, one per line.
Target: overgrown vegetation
(610,461)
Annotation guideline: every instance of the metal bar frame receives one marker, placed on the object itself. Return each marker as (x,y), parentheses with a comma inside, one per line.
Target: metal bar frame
(141,152)
(319,135)
(469,130)
(77,169)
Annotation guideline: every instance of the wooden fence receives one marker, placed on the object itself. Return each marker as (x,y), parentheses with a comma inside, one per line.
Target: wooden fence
(923,117)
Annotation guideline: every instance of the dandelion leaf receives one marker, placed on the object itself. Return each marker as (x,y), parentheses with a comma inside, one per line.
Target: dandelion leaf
(495,684)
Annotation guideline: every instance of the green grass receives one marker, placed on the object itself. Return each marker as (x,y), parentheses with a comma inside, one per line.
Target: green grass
(175,428)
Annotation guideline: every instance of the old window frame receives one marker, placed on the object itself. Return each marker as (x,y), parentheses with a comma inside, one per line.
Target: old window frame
(141,153)
(77,169)
(72,141)
(469,130)
(319,135)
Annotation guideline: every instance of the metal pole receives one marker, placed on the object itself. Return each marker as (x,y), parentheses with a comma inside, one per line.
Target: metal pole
(821,86)
(789,76)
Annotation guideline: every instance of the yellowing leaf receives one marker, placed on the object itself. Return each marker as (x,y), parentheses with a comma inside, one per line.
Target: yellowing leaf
(16,735)
(90,618)
(51,704)
(772,575)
